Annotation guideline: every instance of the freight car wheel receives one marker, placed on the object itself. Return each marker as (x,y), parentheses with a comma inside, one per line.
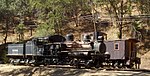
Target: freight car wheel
(114,64)
(16,61)
(130,66)
(11,61)
(27,62)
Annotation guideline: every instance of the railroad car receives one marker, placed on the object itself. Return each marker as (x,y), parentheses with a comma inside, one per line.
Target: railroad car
(93,50)
(123,53)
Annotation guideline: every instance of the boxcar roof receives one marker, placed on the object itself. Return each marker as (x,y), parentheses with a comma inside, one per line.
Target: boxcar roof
(131,39)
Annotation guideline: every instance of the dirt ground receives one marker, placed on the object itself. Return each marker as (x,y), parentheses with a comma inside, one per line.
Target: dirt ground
(145,61)
(11,70)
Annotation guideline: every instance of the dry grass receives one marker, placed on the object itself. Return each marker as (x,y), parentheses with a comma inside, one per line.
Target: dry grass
(145,61)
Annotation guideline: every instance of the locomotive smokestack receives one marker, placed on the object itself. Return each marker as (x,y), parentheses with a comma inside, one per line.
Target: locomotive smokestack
(98,36)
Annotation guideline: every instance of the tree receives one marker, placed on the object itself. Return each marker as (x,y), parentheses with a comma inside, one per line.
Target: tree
(6,14)
(49,15)
(20,31)
(76,8)
(10,9)
(118,10)
(56,13)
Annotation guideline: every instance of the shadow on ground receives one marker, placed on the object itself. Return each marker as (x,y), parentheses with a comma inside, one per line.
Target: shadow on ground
(36,71)
(63,71)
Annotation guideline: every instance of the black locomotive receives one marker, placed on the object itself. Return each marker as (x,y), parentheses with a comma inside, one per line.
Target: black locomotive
(90,51)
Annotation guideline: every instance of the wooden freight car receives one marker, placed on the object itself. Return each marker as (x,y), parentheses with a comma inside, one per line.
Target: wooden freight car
(123,52)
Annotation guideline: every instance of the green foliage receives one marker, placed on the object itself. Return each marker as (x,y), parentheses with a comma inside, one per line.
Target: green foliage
(143,6)
(20,28)
(3,53)
(118,10)
(137,24)
(54,14)
(3,56)
(20,31)
(51,13)
(44,30)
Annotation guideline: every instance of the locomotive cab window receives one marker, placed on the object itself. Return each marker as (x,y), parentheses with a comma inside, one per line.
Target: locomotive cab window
(116,46)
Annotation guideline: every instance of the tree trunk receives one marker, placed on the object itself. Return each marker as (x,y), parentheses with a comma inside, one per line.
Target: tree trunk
(6,28)
(6,31)
(121,19)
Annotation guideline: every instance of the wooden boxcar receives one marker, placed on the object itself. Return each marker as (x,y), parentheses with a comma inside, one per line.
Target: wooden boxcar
(123,52)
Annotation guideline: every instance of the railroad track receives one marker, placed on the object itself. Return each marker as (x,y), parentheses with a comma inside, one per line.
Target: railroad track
(103,69)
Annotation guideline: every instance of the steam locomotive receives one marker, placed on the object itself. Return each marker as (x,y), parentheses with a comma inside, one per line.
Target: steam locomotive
(91,51)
